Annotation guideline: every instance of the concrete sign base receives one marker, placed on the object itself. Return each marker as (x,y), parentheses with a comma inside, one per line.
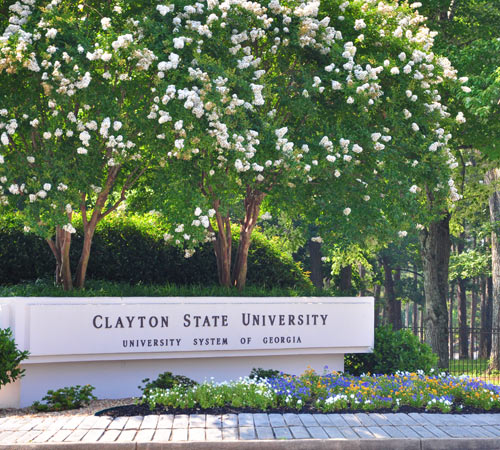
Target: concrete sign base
(114,343)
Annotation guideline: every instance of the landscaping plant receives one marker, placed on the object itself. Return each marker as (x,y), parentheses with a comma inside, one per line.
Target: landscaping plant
(394,351)
(335,392)
(72,397)
(10,358)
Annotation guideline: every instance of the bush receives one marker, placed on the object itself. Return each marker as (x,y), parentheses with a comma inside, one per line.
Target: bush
(10,358)
(132,249)
(66,398)
(166,380)
(262,374)
(394,350)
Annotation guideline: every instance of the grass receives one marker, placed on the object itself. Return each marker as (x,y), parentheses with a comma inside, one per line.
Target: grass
(96,288)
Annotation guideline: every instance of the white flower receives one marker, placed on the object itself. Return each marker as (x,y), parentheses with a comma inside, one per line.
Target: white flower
(366,198)
(69,228)
(47,186)
(162,9)
(402,234)
(197,211)
(105,23)
(2,160)
(350,100)
(47,135)
(281,132)
(117,125)
(211,212)
(167,237)
(414,189)
(359,24)
(51,33)
(460,117)
(81,150)
(5,139)
(415,127)
(317,239)
(30,159)
(347,211)
(266,216)
(41,194)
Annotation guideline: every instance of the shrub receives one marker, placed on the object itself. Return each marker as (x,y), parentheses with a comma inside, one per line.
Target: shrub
(72,397)
(10,358)
(166,380)
(261,374)
(393,351)
(132,249)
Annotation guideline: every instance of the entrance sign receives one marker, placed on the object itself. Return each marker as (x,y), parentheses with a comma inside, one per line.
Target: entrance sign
(91,340)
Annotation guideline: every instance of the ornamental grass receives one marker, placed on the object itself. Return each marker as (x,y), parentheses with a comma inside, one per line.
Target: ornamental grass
(335,392)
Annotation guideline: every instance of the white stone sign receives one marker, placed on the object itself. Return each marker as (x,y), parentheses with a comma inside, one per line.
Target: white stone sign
(100,340)
(190,327)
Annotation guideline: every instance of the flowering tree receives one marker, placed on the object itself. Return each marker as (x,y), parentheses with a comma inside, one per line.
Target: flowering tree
(294,105)
(74,88)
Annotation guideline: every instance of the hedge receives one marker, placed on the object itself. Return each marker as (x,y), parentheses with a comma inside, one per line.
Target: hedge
(132,249)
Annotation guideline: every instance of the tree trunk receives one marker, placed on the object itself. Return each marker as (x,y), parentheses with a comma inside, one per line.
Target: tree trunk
(316,265)
(473,312)
(346,279)
(415,318)
(415,304)
(376,295)
(483,308)
(489,314)
(222,248)
(60,249)
(462,319)
(81,270)
(393,311)
(398,321)
(362,275)
(253,200)
(435,250)
(492,178)
(450,319)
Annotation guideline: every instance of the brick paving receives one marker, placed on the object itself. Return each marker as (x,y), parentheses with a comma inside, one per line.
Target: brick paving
(234,427)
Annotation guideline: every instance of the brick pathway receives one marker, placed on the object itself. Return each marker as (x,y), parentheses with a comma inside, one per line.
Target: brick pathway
(255,427)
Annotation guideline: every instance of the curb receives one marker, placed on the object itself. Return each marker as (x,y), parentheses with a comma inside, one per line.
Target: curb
(303,444)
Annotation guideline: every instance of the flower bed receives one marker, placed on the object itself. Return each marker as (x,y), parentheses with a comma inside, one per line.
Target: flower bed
(333,392)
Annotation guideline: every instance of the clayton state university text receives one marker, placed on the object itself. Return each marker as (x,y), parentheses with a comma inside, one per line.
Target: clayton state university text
(212,321)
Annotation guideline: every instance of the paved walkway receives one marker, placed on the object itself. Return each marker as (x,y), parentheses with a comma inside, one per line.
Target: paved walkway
(291,431)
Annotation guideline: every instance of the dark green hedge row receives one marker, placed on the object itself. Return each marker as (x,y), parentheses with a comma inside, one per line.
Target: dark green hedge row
(133,250)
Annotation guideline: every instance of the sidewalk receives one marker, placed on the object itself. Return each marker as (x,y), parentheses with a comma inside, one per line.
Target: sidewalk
(255,431)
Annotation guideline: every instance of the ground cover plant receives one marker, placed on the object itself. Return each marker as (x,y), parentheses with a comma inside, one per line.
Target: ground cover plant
(71,397)
(332,392)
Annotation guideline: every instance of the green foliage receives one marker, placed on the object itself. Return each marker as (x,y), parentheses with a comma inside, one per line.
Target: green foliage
(469,264)
(98,288)
(166,380)
(132,249)
(393,351)
(10,358)
(72,397)
(261,374)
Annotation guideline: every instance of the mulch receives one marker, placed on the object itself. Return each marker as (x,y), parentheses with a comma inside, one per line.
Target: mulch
(144,410)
